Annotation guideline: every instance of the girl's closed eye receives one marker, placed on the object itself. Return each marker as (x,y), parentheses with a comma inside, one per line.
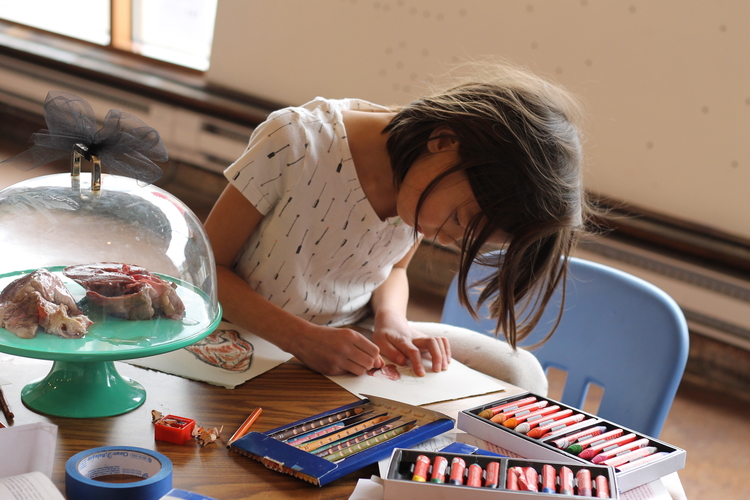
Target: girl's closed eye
(455,218)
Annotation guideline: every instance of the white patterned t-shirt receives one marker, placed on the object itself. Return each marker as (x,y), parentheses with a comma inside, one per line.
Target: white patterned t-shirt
(320,249)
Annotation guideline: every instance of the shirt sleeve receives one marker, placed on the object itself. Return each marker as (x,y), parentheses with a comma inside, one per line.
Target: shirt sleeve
(262,172)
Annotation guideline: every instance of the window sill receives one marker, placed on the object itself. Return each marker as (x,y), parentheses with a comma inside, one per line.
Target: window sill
(154,79)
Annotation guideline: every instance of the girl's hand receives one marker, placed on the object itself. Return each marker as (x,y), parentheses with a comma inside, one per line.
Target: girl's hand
(336,351)
(400,343)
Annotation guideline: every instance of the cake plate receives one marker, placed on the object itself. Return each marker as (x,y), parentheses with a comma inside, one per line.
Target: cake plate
(83,381)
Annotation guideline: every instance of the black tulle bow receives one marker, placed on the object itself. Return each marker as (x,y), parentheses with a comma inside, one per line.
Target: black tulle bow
(124,144)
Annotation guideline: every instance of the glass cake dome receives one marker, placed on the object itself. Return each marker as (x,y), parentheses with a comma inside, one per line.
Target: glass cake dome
(94,223)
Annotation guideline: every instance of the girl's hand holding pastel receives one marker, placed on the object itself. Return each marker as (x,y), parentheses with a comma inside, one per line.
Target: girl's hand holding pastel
(401,344)
(336,351)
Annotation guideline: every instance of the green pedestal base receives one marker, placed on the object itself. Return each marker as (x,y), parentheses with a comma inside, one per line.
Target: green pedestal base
(83,390)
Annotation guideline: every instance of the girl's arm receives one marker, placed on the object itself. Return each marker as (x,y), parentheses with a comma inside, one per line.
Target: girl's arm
(393,335)
(330,351)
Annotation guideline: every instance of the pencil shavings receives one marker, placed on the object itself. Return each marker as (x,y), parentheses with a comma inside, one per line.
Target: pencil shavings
(206,436)
(156,416)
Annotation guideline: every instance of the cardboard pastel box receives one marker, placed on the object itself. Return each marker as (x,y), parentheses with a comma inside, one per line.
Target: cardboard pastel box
(409,425)
(669,459)
(398,483)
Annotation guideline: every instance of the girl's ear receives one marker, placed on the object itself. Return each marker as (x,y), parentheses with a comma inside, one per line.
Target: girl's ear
(442,139)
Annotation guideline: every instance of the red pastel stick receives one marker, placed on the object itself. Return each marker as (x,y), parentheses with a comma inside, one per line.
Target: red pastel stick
(629,457)
(566,441)
(528,479)
(606,454)
(526,426)
(594,450)
(493,475)
(566,481)
(524,410)
(490,412)
(576,448)
(511,482)
(541,431)
(583,478)
(513,422)
(549,479)
(475,476)
(602,486)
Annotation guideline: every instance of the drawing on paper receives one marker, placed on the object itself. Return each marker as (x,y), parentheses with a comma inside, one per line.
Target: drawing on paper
(224,349)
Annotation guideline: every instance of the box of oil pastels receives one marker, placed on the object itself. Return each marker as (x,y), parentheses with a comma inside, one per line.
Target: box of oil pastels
(329,445)
(424,475)
(539,428)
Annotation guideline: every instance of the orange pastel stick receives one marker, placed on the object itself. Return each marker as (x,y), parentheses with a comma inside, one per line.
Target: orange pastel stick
(490,412)
(597,448)
(524,410)
(526,426)
(512,422)
(541,431)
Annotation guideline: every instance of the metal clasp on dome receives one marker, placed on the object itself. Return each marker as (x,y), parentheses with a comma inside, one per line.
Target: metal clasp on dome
(81,151)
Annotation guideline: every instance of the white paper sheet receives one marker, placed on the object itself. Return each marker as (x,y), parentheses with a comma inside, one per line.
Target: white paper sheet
(458,381)
(33,448)
(228,357)
(30,486)
(368,489)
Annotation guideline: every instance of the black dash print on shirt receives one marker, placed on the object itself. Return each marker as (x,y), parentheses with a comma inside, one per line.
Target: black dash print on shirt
(274,131)
(251,272)
(279,270)
(274,153)
(285,303)
(297,160)
(339,248)
(324,233)
(290,227)
(341,164)
(287,285)
(308,264)
(302,240)
(375,244)
(319,195)
(314,171)
(328,210)
(344,261)
(285,205)
(362,238)
(271,180)
(274,246)
(346,223)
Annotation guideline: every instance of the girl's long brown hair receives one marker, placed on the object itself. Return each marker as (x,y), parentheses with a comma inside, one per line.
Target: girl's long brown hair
(521,150)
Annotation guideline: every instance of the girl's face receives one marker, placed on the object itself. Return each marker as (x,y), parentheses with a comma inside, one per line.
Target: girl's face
(451,204)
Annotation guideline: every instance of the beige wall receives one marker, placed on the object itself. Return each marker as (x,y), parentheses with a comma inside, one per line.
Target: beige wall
(666,83)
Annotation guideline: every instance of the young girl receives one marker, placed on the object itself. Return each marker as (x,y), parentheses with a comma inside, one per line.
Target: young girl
(329,202)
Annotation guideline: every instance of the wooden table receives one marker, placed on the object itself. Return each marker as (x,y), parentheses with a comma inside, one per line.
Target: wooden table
(287,393)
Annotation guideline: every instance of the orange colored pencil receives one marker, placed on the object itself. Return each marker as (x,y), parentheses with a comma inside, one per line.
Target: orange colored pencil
(245,425)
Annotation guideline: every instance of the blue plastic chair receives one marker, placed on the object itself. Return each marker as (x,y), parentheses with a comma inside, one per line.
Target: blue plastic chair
(617,331)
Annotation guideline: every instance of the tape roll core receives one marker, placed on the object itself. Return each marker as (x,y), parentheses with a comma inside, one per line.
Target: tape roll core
(82,469)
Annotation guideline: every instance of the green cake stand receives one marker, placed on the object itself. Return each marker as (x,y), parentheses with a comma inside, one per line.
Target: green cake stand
(83,381)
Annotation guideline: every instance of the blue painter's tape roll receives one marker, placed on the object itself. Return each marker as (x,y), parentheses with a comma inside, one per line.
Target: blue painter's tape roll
(82,469)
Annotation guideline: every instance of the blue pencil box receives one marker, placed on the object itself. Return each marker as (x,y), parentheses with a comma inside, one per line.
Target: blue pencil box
(409,425)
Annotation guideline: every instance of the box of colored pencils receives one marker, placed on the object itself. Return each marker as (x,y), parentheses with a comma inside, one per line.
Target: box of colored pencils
(324,447)
(540,428)
(418,474)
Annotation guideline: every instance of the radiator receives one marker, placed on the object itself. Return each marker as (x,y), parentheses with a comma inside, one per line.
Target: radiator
(716,305)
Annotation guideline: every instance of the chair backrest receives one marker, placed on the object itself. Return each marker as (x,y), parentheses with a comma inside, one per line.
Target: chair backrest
(617,331)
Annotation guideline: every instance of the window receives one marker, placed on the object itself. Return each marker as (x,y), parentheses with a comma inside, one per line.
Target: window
(175,31)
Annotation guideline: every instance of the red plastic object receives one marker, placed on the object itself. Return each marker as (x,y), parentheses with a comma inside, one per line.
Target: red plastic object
(174,429)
